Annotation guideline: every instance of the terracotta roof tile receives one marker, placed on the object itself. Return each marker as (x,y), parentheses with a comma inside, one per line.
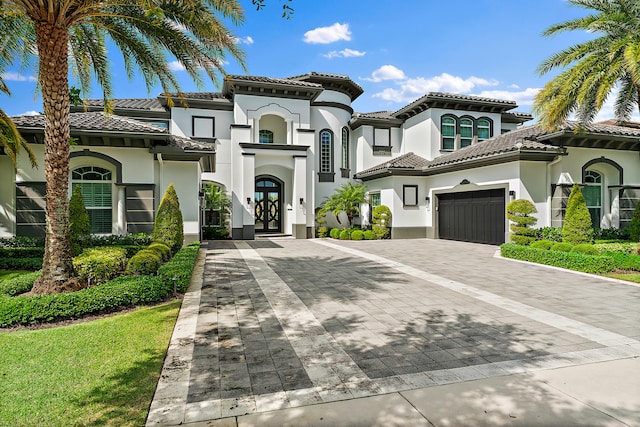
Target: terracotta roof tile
(150,104)
(94,121)
(409,161)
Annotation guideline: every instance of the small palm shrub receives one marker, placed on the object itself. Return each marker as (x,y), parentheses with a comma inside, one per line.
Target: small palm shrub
(562,247)
(357,235)
(79,224)
(168,226)
(577,226)
(519,212)
(585,248)
(334,233)
(381,221)
(369,235)
(542,244)
(345,234)
(145,262)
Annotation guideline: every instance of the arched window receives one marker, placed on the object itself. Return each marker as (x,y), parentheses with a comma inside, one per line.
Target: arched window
(448,128)
(326,148)
(466,132)
(592,193)
(484,129)
(96,188)
(266,137)
(345,152)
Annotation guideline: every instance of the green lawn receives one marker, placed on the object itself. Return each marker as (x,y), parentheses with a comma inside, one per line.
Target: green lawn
(102,372)
(10,274)
(631,277)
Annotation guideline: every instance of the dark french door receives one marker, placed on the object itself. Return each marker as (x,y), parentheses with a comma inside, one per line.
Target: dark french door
(268,204)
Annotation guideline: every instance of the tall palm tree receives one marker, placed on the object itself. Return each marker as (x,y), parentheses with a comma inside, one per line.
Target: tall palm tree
(595,68)
(75,32)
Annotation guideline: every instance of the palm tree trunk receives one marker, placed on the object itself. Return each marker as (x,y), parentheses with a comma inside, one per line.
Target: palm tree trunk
(57,268)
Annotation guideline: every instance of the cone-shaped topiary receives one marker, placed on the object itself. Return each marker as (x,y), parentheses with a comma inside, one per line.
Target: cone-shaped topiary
(519,212)
(79,224)
(381,221)
(634,228)
(168,227)
(577,227)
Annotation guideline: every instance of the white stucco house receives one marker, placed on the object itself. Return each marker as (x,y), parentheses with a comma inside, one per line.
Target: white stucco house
(446,165)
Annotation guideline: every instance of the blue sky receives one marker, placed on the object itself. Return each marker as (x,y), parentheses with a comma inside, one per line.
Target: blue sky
(397,51)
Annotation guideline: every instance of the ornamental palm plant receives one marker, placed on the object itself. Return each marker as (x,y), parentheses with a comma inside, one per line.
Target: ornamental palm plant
(347,199)
(75,32)
(595,68)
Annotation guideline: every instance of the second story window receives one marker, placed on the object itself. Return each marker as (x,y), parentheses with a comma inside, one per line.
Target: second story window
(466,132)
(345,152)
(461,132)
(448,133)
(484,129)
(266,137)
(326,148)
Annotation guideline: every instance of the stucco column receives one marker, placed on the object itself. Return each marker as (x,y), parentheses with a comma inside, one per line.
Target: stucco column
(248,194)
(301,200)
(121,227)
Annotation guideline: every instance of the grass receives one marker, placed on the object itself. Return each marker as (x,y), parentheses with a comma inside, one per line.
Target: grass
(630,277)
(10,274)
(102,372)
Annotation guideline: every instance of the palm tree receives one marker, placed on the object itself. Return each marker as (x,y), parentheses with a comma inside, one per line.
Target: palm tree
(76,32)
(347,199)
(217,200)
(595,68)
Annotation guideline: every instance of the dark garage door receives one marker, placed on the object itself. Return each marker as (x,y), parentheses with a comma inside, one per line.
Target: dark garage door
(473,216)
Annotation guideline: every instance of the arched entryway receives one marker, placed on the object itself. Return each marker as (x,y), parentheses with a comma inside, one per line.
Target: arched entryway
(268,205)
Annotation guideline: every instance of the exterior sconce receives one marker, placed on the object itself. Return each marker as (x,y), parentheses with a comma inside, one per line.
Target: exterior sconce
(427,199)
(248,200)
(512,195)
(301,200)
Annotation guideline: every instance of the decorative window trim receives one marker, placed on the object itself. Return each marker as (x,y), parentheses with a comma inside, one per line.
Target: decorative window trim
(409,195)
(379,148)
(345,169)
(477,128)
(458,138)
(455,131)
(326,174)
(471,125)
(106,185)
(193,126)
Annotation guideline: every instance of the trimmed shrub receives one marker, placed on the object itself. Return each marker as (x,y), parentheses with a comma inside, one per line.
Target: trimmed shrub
(357,235)
(625,261)
(21,263)
(180,267)
(626,247)
(21,252)
(577,221)
(634,227)
(168,226)
(145,262)
(335,233)
(381,221)
(553,234)
(573,261)
(345,234)
(369,235)
(585,248)
(22,242)
(162,250)
(322,231)
(612,233)
(100,264)
(79,224)
(19,285)
(125,291)
(519,212)
(215,232)
(542,244)
(137,239)
(562,247)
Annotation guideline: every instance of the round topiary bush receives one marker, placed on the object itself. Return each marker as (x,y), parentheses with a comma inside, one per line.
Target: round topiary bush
(577,226)
(322,231)
(168,227)
(162,250)
(145,262)
(369,235)
(345,235)
(585,248)
(562,247)
(381,221)
(519,212)
(542,244)
(335,233)
(357,235)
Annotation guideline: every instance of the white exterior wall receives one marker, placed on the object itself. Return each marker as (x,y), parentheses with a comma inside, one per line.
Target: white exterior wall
(185,177)
(7,197)
(419,134)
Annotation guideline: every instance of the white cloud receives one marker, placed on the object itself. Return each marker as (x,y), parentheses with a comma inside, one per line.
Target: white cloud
(345,53)
(244,40)
(411,89)
(176,66)
(522,97)
(17,77)
(386,72)
(326,35)
(30,113)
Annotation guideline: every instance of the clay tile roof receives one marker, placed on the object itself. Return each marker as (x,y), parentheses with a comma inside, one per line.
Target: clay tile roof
(196,95)
(150,104)
(94,121)
(376,115)
(188,144)
(409,161)
(286,81)
(628,129)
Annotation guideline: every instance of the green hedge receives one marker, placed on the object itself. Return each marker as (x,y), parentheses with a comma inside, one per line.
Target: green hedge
(180,267)
(573,261)
(21,252)
(19,285)
(100,264)
(145,262)
(20,263)
(625,261)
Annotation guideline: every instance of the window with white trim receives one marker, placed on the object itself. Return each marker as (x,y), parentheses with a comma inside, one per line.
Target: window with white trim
(326,148)
(448,130)
(592,193)
(96,186)
(466,132)
(484,129)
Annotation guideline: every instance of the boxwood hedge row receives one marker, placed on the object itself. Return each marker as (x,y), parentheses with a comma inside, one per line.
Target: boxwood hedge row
(18,285)
(125,291)
(595,264)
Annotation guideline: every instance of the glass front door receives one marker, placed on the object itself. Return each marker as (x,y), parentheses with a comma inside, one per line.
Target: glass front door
(268,203)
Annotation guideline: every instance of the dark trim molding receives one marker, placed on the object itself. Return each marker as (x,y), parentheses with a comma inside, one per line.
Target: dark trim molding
(346,108)
(287,147)
(106,158)
(607,161)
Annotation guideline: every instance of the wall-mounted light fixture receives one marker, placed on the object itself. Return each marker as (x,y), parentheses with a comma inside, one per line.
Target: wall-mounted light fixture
(248,200)
(512,195)
(427,199)
(301,200)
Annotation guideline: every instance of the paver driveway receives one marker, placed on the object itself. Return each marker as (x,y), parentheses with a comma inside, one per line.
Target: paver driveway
(282,323)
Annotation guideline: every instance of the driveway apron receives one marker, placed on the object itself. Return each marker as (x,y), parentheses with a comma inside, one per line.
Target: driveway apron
(283,323)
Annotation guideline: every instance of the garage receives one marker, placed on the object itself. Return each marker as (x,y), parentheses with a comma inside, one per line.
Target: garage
(472,216)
